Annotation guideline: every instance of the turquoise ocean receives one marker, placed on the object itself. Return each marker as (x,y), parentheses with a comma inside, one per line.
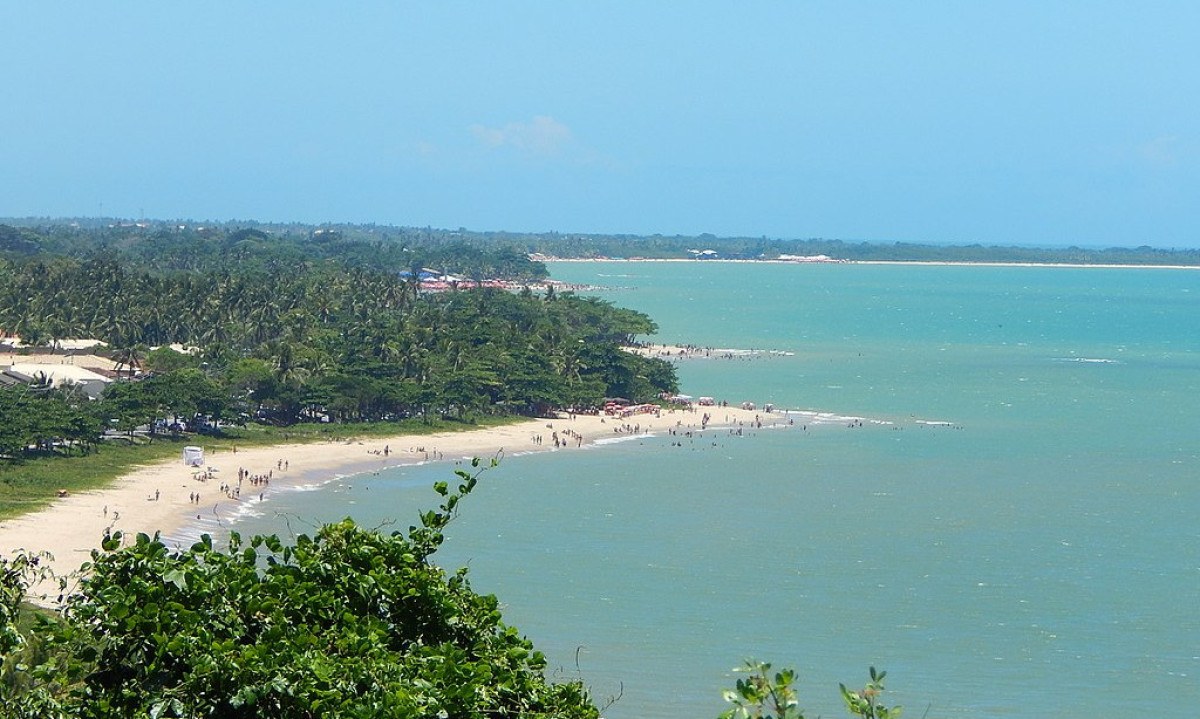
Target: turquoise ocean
(1013,530)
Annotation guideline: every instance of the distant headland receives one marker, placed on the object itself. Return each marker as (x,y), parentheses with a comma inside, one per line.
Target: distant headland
(30,235)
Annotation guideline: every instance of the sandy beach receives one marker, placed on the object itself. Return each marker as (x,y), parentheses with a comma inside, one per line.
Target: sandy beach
(675,353)
(835,261)
(170,497)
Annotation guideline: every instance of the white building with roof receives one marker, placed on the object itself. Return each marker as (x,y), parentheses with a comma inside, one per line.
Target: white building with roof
(59,374)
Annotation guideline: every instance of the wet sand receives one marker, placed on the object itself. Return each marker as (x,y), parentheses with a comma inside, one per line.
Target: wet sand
(162,497)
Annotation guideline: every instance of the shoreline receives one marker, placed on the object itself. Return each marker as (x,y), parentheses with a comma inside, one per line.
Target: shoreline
(924,263)
(161,497)
(679,352)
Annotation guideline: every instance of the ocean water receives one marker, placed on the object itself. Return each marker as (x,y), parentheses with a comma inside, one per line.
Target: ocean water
(1013,530)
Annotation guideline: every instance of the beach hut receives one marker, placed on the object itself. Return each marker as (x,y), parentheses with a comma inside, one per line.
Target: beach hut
(193,456)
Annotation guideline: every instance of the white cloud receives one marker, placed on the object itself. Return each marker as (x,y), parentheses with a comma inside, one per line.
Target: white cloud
(1161,151)
(543,136)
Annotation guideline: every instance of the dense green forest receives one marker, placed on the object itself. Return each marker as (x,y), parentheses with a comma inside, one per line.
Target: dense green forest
(162,247)
(276,337)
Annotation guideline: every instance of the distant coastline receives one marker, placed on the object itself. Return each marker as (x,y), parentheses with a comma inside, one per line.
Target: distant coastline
(1074,265)
(929,263)
(399,248)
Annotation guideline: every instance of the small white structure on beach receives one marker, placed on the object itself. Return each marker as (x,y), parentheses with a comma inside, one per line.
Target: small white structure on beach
(193,456)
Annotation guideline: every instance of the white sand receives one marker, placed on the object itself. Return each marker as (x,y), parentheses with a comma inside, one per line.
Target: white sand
(71,527)
(836,261)
(682,352)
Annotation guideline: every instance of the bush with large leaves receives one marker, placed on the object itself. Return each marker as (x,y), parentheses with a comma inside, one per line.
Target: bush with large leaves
(347,623)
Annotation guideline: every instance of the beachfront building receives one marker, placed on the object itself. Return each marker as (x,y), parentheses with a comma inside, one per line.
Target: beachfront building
(92,382)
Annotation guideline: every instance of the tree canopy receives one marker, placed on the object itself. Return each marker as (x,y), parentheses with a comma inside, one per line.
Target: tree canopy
(313,342)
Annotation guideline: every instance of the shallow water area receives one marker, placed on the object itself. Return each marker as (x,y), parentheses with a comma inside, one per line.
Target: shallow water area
(996,503)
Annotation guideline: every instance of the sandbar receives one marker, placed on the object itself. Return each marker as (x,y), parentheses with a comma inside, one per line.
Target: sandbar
(836,261)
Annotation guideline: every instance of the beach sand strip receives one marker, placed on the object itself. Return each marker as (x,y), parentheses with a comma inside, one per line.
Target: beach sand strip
(176,500)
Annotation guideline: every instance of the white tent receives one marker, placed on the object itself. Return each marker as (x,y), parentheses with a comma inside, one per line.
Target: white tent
(193,456)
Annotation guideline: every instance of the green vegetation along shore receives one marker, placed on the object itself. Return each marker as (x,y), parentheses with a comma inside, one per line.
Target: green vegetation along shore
(208,333)
(34,482)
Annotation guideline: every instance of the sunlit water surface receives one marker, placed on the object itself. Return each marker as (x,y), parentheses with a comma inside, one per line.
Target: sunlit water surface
(1013,532)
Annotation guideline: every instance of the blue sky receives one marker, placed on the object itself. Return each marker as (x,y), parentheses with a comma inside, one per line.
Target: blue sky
(1046,123)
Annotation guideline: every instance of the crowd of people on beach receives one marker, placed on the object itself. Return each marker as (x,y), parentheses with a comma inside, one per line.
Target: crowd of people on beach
(257,480)
(569,437)
(622,419)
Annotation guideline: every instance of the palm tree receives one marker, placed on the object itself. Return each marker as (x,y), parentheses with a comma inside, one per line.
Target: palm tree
(129,356)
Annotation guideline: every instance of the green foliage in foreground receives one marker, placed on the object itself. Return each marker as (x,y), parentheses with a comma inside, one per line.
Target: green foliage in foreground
(763,695)
(347,623)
